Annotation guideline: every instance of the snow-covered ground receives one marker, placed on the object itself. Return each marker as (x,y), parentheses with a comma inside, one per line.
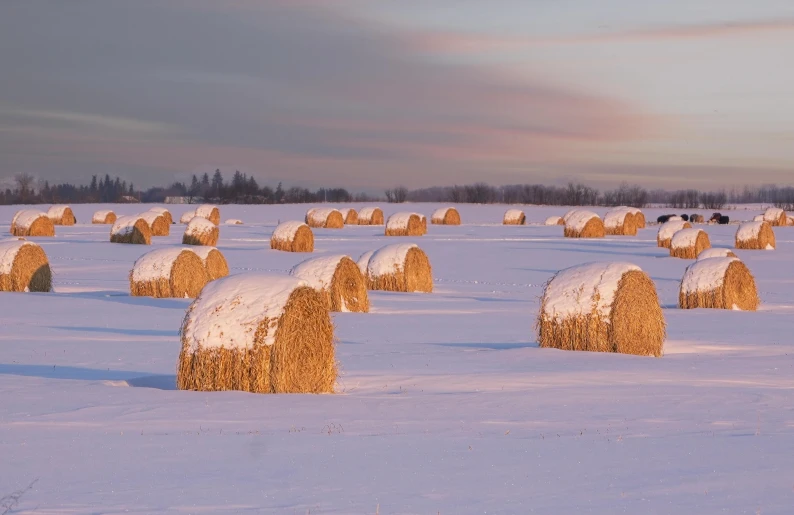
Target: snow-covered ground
(445,403)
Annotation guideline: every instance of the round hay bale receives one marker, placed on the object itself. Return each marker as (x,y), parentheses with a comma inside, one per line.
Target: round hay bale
(715,252)
(776,217)
(325,218)
(667,230)
(131,229)
(339,279)
(363,265)
(31,222)
(201,231)
(292,236)
(688,243)
(720,283)
(789,221)
(258,333)
(233,221)
(755,236)
(584,224)
(170,272)
(350,216)
(24,267)
(758,218)
(104,217)
(602,307)
(214,262)
(445,216)
(423,220)
(569,214)
(187,217)
(405,224)
(158,223)
(400,267)
(639,217)
(61,215)
(620,222)
(166,214)
(209,212)
(370,216)
(554,220)
(514,217)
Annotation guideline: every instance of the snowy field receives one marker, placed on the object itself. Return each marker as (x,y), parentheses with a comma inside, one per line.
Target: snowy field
(445,403)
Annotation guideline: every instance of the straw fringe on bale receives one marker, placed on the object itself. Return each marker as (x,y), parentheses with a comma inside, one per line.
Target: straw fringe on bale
(166,214)
(446,216)
(298,239)
(339,279)
(214,262)
(577,227)
(24,267)
(405,224)
(514,217)
(61,215)
(350,216)
(104,218)
(210,212)
(639,218)
(30,222)
(620,222)
(400,267)
(734,288)
(131,229)
(158,223)
(370,216)
(776,217)
(199,232)
(168,272)
(667,230)
(688,243)
(755,236)
(324,218)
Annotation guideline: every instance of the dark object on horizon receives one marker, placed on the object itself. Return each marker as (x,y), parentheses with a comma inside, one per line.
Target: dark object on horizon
(715,217)
(685,218)
(663,219)
(696,218)
(725,220)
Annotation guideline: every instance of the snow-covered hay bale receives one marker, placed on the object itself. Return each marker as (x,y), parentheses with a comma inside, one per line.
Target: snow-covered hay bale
(602,307)
(423,220)
(721,283)
(325,218)
(639,217)
(214,262)
(258,333)
(170,272)
(554,220)
(210,212)
(158,223)
(104,217)
(292,236)
(187,217)
(445,216)
(776,217)
(24,267)
(339,279)
(689,243)
(400,267)
(370,216)
(166,214)
(696,219)
(61,215)
(755,236)
(131,229)
(667,230)
(201,231)
(514,217)
(405,224)
(758,218)
(620,222)
(350,216)
(715,252)
(233,221)
(569,214)
(31,222)
(789,221)
(584,224)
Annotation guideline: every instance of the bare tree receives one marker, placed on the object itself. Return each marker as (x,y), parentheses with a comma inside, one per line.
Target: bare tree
(24,182)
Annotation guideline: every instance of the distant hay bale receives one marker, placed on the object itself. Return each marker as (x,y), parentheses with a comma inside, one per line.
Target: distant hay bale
(233,221)
(445,216)
(339,279)
(166,214)
(688,243)
(370,216)
(104,217)
(514,217)
(639,217)
(755,236)
(554,220)
(292,237)
(61,215)
(187,217)
(758,218)
(131,229)
(350,216)
(423,220)
(584,224)
(325,218)
(169,272)
(720,283)
(210,212)
(24,267)
(405,224)
(569,214)
(776,217)
(715,252)
(667,230)
(31,222)
(620,222)
(214,262)
(201,231)
(399,267)
(158,223)
(602,307)
(258,333)
(697,219)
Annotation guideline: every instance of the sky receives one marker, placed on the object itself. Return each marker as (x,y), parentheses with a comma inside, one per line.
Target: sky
(370,94)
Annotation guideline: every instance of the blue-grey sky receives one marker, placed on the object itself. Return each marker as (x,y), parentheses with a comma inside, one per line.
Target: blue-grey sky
(373,93)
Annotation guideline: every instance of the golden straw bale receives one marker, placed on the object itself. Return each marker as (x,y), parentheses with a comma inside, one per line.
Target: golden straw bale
(370,216)
(325,218)
(621,222)
(584,224)
(214,262)
(187,216)
(776,217)
(719,282)
(445,216)
(209,212)
(166,214)
(31,222)
(755,236)
(292,236)
(131,229)
(24,267)
(201,231)
(61,215)
(514,217)
(169,272)
(350,216)
(158,223)
(667,230)
(104,218)
(554,220)
(339,279)
(405,224)
(688,243)
(400,267)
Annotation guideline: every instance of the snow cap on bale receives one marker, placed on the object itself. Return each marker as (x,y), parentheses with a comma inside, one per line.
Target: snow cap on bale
(445,216)
(667,230)
(61,215)
(776,217)
(158,223)
(163,211)
(258,333)
(201,231)
(292,236)
(569,214)
(370,216)
(339,279)
(675,218)
(715,252)
(31,222)
(187,216)
(214,262)
(325,218)
(400,267)
(759,218)
(755,236)
(602,307)
(639,217)
(721,283)
(405,224)
(131,229)
(350,216)
(169,272)
(584,224)
(620,222)
(514,217)
(209,212)
(363,264)
(688,243)
(105,217)
(554,220)
(24,267)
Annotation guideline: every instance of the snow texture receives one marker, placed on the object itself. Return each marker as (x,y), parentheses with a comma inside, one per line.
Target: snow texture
(513,214)
(583,290)
(713,252)
(568,215)
(203,251)
(187,216)
(684,238)
(706,275)
(440,213)
(8,252)
(233,221)
(345,211)
(228,311)
(320,215)
(26,217)
(318,272)
(151,216)
(749,231)
(56,212)
(158,209)
(614,218)
(772,214)
(389,259)
(199,225)
(552,220)
(286,230)
(205,210)
(675,218)
(668,229)
(363,262)
(124,225)
(156,264)
(758,218)
(400,220)
(100,216)
(579,219)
